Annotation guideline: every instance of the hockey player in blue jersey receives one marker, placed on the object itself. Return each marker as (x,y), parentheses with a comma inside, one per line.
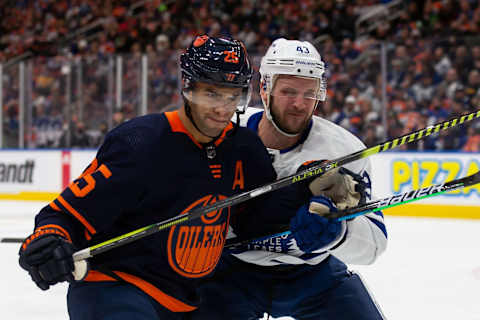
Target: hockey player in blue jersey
(150,169)
(303,274)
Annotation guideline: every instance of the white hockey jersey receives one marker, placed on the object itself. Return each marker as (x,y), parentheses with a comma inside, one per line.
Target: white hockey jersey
(362,239)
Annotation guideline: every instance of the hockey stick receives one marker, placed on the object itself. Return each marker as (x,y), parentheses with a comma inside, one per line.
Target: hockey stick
(12,240)
(376,205)
(283,182)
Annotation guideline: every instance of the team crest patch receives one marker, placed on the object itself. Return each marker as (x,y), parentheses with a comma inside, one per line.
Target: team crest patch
(195,248)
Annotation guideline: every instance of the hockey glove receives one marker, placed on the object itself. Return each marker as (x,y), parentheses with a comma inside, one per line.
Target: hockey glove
(344,187)
(47,256)
(312,231)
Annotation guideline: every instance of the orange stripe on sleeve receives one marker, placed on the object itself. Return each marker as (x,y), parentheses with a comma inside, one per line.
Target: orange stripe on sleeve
(56,226)
(45,230)
(54,206)
(91,168)
(77,215)
(105,171)
(96,276)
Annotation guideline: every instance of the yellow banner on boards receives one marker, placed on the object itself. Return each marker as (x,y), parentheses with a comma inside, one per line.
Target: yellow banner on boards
(421,173)
(29,196)
(434,211)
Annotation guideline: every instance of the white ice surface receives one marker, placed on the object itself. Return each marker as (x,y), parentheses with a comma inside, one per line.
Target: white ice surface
(431,270)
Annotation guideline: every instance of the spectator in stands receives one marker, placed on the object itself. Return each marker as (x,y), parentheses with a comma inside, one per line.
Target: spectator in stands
(79,138)
(473,141)
(473,84)
(118,118)
(462,62)
(441,61)
(397,75)
(450,83)
(428,57)
(423,91)
(162,43)
(369,137)
(461,97)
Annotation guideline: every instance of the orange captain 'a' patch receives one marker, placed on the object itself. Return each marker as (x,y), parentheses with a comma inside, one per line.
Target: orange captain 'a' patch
(239,180)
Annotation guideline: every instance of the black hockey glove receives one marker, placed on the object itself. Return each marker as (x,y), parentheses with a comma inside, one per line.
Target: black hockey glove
(47,256)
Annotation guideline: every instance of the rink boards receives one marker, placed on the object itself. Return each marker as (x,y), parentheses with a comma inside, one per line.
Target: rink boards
(39,175)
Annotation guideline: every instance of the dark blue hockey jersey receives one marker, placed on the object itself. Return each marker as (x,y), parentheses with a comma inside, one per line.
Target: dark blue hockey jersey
(150,169)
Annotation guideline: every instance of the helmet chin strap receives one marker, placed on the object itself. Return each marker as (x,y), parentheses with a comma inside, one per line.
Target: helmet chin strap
(237,124)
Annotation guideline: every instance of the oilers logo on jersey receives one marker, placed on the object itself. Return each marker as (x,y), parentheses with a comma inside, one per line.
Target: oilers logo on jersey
(194,249)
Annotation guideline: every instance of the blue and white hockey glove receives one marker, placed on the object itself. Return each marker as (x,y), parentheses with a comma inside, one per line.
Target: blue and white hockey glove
(345,188)
(312,231)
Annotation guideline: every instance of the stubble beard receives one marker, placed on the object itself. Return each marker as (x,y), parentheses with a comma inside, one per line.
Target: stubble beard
(282,125)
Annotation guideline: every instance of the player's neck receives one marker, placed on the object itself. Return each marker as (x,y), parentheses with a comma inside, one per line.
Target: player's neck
(273,139)
(197,135)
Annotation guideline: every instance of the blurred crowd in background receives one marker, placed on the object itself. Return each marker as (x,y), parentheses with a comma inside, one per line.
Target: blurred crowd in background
(432,50)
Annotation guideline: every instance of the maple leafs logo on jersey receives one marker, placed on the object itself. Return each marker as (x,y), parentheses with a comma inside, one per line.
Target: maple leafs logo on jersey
(195,248)
(284,243)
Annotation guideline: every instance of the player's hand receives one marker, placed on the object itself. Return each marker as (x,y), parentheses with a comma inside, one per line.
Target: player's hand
(312,231)
(47,256)
(344,187)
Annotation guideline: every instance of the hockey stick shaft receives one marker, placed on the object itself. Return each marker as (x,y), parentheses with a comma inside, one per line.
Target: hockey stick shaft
(407,197)
(373,206)
(12,240)
(378,205)
(283,182)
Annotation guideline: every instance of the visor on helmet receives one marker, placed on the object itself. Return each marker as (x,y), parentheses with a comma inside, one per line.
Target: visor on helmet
(214,96)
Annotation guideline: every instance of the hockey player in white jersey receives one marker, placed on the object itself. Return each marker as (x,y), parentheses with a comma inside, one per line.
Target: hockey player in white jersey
(302,274)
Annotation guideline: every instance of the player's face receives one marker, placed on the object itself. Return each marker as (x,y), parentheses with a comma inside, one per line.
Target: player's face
(293,100)
(213,106)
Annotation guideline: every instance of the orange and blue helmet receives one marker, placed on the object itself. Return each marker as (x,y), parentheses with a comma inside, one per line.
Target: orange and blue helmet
(217,61)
